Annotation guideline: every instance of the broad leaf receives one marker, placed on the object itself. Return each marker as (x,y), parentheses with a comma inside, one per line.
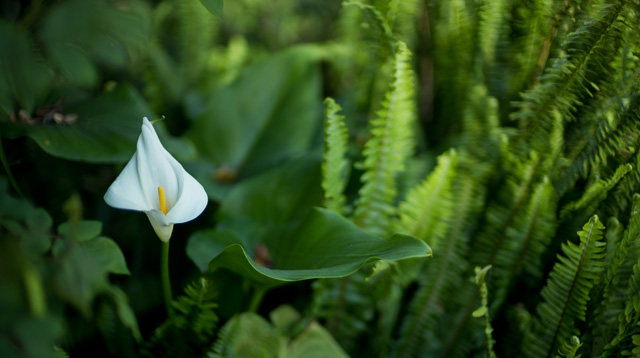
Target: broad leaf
(323,245)
(106,130)
(24,81)
(271,112)
(80,230)
(278,195)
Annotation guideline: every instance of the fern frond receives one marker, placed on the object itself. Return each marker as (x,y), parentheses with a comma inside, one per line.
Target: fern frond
(607,130)
(626,341)
(597,191)
(440,279)
(491,17)
(567,292)
(382,30)
(335,166)
(535,25)
(481,124)
(426,212)
(589,49)
(630,238)
(527,240)
(403,18)
(483,310)
(503,213)
(346,306)
(570,348)
(615,279)
(630,184)
(386,151)
(453,46)
(192,328)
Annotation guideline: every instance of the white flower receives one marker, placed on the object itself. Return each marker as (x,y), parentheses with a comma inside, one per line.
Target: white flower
(155,183)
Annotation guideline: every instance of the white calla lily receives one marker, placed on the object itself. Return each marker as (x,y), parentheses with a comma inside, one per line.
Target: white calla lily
(155,183)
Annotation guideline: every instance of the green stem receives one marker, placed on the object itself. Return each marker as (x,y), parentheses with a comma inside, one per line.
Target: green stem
(166,282)
(256,299)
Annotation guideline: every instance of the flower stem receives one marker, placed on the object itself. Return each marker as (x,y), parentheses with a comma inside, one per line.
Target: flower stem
(256,299)
(166,282)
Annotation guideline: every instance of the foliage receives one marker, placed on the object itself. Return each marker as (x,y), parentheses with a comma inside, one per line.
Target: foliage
(456,135)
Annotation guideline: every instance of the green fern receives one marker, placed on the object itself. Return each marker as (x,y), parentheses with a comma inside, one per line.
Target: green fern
(481,124)
(526,241)
(570,80)
(192,329)
(492,16)
(334,166)
(614,286)
(626,341)
(440,278)
(428,208)
(567,292)
(403,16)
(483,310)
(596,192)
(570,348)
(346,306)
(381,28)
(386,151)
(503,213)
(529,49)
(453,42)
(612,132)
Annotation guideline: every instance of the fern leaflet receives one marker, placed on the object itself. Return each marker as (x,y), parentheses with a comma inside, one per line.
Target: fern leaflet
(386,151)
(428,208)
(334,166)
(596,192)
(566,294)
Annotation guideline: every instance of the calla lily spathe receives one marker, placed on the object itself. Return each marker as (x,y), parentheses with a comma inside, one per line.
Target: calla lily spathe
(155,183)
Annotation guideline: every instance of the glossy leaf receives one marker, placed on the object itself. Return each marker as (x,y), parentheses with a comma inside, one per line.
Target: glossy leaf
(106,129)
(323,245)
(269,113)
(277,195)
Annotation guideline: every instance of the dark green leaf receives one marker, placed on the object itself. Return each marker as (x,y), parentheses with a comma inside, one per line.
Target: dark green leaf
(323,245)
(80,230)
(315,342)
(23,79)
(34,236)
(106,130)
(278,195)
(125,313)
(106,254)
(270,113)
(214,6)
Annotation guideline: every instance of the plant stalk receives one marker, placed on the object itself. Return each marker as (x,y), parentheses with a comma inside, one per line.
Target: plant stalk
(256,299)
(166,281)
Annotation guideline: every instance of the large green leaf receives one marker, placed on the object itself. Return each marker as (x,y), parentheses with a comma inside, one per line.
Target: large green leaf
(249,335)
(269,113)
(278,195)
(24,81)
(106,130)
(323,245)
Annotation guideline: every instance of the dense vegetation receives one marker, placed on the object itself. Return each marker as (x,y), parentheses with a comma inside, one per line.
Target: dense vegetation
(386,178)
